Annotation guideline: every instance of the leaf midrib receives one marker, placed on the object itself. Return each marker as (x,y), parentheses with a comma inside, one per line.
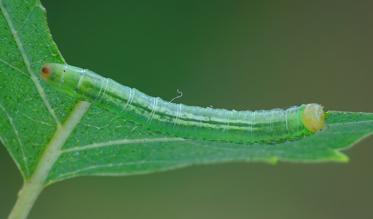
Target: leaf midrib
(53,149)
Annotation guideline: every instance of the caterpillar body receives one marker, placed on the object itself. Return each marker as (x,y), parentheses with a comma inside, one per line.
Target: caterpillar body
(189,122)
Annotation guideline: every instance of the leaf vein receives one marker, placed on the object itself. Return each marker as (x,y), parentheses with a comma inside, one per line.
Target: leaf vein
(13,67)
(95,167)
(24,22)
(119,142)
(15,130)
(53,149)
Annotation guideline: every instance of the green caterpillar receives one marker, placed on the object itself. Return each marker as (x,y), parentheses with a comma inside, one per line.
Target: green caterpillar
(190,122)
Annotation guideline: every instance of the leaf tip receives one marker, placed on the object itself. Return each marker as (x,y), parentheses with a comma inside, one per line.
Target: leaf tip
(341,157)
(272,160)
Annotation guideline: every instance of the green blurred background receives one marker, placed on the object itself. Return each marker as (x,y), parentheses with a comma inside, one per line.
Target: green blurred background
(232,54)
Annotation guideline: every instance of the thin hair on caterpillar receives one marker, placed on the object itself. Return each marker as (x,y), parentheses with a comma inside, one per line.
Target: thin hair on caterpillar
(178,114)
(107,80)
(180,95)
(131,96)
(252,124)
(81,79)
(190,122)
(154,107)
(286,120)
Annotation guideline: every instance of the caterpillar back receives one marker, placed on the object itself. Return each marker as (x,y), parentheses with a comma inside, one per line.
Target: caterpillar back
(190,122)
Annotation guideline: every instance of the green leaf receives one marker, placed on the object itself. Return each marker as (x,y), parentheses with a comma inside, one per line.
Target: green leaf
(45,130)
(52,137)
(92,150)
(29,110)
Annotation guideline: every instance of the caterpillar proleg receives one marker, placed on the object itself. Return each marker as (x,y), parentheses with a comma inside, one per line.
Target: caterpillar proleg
(189,122)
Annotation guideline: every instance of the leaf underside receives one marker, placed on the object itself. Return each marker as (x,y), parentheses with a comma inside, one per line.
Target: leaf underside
(104,143)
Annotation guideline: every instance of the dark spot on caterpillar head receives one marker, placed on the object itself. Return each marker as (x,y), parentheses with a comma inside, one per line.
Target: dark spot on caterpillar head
(46,72)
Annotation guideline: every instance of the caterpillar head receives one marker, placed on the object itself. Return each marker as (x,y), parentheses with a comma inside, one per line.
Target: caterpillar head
(46,72)
(61,76)
(313,117)
(72,80)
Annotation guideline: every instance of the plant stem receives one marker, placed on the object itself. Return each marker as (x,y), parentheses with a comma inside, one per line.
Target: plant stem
(26,199)
(34,185)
